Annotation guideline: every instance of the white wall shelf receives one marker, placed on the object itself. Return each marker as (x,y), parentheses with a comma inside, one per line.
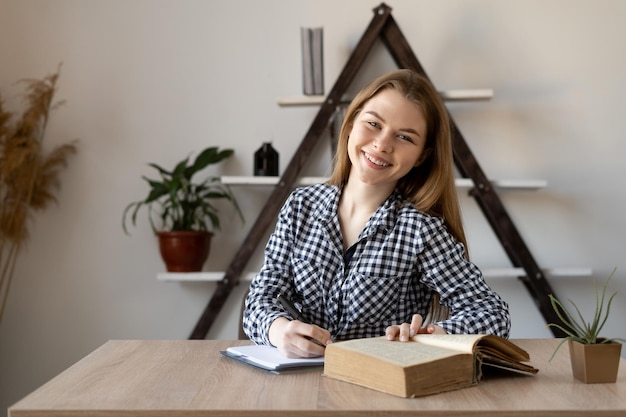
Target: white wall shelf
(198,276)
(252,180)
(460,182)
(448,95)
(487,273)
(520,272)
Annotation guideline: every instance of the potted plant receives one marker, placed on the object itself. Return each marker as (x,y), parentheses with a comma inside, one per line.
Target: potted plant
(594,359)
(184,209)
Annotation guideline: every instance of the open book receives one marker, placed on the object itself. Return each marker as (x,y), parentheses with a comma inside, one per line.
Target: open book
(270,359)
(428,364)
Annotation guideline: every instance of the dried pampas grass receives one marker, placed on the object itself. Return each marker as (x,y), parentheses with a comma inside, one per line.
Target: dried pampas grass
(28,175)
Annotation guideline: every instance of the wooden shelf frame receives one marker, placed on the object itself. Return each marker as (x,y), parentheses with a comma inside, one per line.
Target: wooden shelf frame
(384,27)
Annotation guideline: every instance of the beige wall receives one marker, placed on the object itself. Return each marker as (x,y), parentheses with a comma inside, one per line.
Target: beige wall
(154,80)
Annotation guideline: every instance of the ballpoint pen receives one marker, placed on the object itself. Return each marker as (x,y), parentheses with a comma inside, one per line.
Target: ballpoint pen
(290,308)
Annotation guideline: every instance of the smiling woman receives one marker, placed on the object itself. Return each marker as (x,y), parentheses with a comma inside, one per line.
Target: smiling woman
(379,249)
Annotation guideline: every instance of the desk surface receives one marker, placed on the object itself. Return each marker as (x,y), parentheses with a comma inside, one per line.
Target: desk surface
(190,378)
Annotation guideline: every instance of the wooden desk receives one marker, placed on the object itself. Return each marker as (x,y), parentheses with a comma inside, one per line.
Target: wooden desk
(190,378)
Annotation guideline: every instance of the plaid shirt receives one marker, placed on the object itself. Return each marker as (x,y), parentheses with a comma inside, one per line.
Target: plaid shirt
(401,258)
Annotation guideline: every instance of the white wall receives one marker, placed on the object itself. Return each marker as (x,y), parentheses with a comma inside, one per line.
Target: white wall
(154,80)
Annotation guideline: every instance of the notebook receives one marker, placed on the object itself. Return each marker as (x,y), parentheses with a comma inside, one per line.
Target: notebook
(270,359)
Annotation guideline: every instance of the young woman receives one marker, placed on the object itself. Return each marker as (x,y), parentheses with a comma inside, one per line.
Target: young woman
(380,248)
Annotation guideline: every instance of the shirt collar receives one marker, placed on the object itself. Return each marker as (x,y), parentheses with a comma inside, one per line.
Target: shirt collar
(329,205)
(385,216)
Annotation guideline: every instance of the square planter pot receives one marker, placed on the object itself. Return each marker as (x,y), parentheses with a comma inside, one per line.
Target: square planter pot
(597,363)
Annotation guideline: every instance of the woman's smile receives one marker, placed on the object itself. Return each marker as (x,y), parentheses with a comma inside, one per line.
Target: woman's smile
(376,161)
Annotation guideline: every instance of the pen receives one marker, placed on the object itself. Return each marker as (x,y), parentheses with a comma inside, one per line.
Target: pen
(294,313)
(290,308)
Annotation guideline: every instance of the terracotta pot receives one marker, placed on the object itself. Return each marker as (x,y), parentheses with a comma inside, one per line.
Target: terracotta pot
(184,251)
(597,363)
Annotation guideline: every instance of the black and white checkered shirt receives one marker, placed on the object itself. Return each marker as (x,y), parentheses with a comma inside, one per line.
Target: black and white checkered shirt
(401,258)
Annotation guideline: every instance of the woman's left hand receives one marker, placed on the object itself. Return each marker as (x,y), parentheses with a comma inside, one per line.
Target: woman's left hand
(404,331)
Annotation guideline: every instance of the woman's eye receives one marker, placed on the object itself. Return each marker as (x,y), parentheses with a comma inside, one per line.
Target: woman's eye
(407,138)
(373,124)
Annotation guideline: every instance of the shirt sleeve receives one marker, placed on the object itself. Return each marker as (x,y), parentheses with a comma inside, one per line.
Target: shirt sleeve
(474,307)
(261,308)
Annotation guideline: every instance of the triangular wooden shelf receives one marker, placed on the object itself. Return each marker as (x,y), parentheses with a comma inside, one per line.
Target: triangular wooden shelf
(384,27)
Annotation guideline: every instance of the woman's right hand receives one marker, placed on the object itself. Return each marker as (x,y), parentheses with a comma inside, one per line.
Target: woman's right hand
(296,339)
(403,332)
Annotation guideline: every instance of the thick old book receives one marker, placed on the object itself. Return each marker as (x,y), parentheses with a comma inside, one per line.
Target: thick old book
(428,364)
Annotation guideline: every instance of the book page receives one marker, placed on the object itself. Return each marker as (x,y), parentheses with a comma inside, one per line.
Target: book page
(495,346)
(399,353)
(491,348)
(459,342)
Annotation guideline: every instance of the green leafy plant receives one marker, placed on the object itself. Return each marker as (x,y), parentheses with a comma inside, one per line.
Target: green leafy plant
(178,202)
(576,327)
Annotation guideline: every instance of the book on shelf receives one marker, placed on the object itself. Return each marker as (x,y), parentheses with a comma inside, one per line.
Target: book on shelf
(312,40)
(270,359)
(427,364)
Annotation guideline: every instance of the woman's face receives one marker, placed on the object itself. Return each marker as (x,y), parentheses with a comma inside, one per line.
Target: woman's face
(387,139)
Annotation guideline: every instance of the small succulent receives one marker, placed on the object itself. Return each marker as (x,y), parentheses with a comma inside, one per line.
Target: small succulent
(576,327)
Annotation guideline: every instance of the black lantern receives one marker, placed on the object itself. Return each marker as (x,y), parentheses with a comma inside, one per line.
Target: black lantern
(266,161)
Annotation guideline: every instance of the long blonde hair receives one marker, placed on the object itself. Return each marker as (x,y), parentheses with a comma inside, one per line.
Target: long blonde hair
(429,186)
